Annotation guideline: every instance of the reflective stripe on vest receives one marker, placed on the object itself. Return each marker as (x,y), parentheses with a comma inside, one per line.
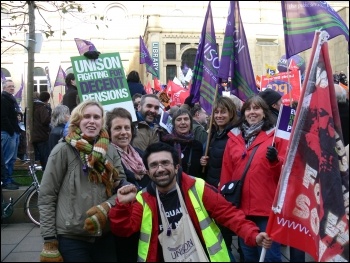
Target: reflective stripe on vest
(146,229)
(213,239)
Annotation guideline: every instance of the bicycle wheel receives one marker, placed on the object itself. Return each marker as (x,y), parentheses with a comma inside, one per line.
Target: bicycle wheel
(31,207)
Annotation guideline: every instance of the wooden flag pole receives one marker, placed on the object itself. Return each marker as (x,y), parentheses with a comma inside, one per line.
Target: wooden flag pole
(210,124)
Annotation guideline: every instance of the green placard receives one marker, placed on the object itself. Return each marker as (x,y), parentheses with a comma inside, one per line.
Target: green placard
(103,80)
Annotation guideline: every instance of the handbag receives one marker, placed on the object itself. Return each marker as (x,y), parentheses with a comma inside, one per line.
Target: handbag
(232,191)
(181,244)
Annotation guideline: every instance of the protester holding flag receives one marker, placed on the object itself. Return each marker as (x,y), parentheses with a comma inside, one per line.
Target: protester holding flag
(225,115)
(255,128)
(182,139)
(134,83)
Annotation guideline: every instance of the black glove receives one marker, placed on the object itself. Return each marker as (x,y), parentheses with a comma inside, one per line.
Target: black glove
(271,154)
(92,54)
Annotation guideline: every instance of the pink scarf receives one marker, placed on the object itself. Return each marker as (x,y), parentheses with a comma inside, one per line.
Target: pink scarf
(132,160)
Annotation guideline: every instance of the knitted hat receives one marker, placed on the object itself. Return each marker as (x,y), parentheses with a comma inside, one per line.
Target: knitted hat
(270,96)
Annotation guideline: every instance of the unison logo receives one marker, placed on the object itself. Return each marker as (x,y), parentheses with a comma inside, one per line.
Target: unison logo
(182,249)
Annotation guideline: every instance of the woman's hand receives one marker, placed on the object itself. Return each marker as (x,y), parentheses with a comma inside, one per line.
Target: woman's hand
(204,160)
(262,239)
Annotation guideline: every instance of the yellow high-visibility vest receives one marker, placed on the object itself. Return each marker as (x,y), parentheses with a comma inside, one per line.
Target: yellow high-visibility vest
(214,242)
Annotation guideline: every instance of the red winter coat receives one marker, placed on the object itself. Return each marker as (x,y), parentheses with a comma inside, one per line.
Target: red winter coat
(262,177)
(126,219)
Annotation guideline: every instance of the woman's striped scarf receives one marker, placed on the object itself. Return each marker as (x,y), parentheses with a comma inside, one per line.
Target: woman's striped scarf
(93,153)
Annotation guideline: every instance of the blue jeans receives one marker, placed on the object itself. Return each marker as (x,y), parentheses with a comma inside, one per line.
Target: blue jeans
(252,254)
(74,250)
(9,146)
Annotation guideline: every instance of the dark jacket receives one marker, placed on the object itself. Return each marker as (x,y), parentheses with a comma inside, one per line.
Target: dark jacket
(9,111)
(136,88)
(344,120)
(71,98)
(191,155)
(55,135)
(216,152)
(41,122)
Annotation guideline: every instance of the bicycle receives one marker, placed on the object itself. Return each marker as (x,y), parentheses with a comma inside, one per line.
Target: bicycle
(31,201)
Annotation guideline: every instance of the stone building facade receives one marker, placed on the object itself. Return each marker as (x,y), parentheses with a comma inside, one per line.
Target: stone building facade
(171,31)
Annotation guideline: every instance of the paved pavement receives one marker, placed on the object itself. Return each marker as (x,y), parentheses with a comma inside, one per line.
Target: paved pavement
(22,243)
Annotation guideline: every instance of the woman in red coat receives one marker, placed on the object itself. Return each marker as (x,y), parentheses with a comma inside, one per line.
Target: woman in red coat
(255,127)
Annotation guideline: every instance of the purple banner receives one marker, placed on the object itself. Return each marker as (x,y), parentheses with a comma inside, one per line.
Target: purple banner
(206,66)
(84,46)
(60,78)
(146,58)
(302,18)
(18,94)
(285,122)
(235,58)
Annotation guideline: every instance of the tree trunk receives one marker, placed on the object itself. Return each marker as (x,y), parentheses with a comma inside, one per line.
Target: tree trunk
(30,81)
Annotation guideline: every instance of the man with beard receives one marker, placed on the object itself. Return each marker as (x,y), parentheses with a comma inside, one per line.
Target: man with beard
(170,203)
(147,126)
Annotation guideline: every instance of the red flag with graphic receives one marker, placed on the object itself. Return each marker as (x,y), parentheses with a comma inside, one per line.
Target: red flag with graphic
(310,209)
(177,93)
(148,88)
(157,86)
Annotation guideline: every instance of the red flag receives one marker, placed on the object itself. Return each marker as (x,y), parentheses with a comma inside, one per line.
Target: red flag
(312,199)
(293,65)
(177,93)
(157,86)
(148,88)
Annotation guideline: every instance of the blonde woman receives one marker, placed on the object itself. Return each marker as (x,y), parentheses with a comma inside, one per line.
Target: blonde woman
(76,191)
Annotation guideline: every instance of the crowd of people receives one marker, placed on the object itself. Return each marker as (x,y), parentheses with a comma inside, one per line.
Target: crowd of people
(114,189)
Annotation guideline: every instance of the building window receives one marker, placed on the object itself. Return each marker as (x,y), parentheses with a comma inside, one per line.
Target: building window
(188,58)
(170,51)
(170,72)
(5,72)
(40,80)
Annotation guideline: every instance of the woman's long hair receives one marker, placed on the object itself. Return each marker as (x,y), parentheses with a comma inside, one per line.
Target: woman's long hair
(258,101)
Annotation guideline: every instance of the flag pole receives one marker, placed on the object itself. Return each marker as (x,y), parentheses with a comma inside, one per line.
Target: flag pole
(210,124)
(288,87)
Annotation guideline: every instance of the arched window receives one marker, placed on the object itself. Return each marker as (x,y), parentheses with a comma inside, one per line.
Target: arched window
(116,15)
(69,70)
(5,72)
(188,58)
(40,80)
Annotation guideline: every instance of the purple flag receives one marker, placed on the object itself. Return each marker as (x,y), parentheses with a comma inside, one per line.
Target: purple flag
(235,58)
(60,78)
(302,18)
(206,66)
(146,58)
(3,77)
(84,46)
(18,94)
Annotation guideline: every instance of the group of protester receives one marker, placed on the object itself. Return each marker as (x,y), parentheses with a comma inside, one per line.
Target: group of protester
(118,190)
